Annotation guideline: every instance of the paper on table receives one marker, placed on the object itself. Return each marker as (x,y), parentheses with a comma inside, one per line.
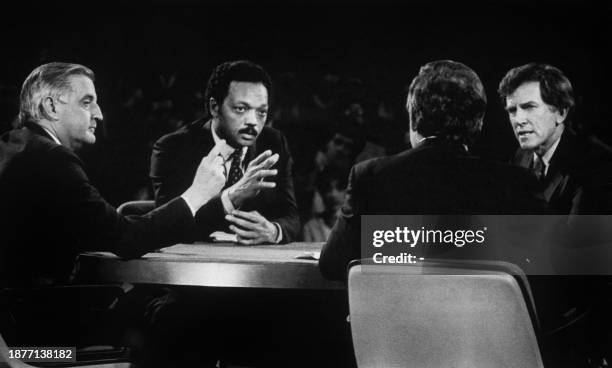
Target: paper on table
(309,255)
(220,236)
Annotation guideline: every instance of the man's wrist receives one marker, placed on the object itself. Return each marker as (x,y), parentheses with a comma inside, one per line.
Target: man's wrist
(194,200)
(228,206)
(278,234)
(233,197)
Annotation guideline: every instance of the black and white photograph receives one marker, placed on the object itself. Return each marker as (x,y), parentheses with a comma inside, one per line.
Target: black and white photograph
(350,184)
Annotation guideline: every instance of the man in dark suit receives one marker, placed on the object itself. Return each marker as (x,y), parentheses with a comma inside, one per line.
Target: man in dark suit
(575,178)
(446,105)
(51,212)
(237,95)
(575,175)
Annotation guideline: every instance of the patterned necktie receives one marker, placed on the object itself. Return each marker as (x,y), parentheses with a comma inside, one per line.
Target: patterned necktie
(235,172)
(538,168)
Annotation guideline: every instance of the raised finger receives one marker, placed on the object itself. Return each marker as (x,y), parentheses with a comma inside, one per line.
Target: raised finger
(266,185)
(221,149)
(259,159)
(265,173)
(270,161)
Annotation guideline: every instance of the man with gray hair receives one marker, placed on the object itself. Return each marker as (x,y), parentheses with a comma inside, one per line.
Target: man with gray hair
(51,211)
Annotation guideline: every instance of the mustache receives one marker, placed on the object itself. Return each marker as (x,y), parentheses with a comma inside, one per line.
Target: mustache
(249,130)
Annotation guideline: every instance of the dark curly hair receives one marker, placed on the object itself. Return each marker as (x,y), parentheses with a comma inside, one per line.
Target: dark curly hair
(555,89)
(217,86)
(447,100)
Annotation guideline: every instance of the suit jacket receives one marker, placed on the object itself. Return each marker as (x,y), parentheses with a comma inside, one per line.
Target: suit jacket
(176,157)
(51,212)
(579,178)
(437,177)
(578,181)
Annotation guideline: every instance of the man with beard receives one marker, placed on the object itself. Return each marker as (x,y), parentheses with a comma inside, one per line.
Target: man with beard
(237,95)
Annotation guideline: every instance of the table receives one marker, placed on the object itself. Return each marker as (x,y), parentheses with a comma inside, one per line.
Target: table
(288,266)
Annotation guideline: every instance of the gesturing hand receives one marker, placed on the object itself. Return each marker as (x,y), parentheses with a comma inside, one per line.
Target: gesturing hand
(253,179)
(209,178)
(252,228)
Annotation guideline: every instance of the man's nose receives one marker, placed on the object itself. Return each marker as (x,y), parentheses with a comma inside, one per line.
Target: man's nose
(520,118)
(251,118)
(97,113)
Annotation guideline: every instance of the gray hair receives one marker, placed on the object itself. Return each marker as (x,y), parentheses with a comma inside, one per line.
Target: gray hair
(48,80)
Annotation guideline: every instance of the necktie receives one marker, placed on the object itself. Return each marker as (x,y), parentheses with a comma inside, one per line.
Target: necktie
(538,168)
(235,172)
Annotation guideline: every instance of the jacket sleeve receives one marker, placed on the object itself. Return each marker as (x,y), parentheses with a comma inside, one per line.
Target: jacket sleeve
(97,225)
(165,176)
(286,210)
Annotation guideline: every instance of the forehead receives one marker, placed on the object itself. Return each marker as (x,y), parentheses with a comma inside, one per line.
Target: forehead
(81,85)
(255,94)
(529,91)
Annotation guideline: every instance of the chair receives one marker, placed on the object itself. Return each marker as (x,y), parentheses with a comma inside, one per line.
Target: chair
(442,314)
(136,207)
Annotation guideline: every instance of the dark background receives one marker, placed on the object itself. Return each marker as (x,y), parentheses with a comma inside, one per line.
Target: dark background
(377,46)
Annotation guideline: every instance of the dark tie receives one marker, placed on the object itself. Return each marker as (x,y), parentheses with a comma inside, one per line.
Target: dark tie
(235,172)
(538,168)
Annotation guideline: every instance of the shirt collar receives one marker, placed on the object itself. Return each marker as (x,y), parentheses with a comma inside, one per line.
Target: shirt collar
(51,134)
(217,139)
(548,154)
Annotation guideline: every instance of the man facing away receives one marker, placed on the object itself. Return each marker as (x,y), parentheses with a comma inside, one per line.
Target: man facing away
(257,210)
(446,105)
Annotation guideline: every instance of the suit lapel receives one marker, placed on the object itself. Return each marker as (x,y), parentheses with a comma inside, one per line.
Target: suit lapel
(559,163)
(251,154)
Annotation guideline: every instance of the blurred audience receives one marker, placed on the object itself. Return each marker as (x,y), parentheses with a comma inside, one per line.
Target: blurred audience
(331,188)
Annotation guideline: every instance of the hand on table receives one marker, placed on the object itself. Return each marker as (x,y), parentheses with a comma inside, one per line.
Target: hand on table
(252,228)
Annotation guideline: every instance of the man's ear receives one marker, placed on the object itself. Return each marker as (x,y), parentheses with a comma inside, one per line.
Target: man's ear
(213,107)
(561,115)
(48,108)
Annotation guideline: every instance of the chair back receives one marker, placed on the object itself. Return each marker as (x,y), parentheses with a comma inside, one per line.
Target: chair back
(442,314)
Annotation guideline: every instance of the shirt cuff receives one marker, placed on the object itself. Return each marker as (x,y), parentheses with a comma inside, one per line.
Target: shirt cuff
(190,205)
(228,207)
(279,238)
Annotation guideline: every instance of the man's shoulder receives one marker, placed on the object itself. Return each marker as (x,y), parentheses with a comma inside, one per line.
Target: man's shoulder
(583,154)
(273,139)
(24,142)
(269,134)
